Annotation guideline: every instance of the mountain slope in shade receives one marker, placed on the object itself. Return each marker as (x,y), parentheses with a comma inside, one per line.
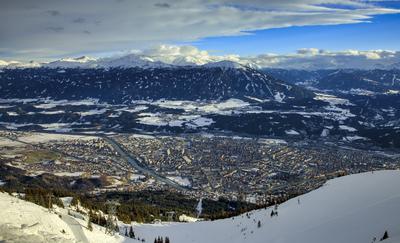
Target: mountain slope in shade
(220,81)
(351,209)
(376,80)
(373,80)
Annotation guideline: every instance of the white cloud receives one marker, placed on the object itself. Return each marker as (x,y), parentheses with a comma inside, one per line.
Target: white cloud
(322,59)
(184,55)
(306,58)
(53,28)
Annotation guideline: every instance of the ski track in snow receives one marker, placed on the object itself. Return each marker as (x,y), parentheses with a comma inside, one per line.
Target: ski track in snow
(351,209)
(76,228)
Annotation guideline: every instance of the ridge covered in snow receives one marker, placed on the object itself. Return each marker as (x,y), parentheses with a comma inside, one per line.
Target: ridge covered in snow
(83,61)
(131,60)
(224,65)
(126,61)
(150,60)
(17,64)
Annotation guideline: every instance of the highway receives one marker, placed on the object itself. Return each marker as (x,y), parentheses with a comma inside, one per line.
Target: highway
(139,166)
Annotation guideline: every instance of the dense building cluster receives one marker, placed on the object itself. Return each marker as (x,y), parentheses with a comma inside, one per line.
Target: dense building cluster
(249,168)
(256,170)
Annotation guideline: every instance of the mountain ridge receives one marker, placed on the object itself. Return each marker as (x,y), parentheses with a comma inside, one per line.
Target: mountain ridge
(375,80)
(221,81)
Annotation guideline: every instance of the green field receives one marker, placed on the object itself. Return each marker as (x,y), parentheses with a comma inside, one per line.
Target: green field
(38,156)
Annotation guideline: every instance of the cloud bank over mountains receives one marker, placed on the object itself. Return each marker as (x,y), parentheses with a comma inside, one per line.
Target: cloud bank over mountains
(48,28)
(312,59)
(307,58)
(167,55)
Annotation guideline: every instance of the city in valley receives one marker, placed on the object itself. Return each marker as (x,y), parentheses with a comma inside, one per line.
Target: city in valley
(253,169)
(196,121)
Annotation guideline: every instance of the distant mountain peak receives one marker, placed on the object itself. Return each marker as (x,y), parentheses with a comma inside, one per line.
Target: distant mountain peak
(84,59)
(70,62)
(17,64)
(188,61)
(131,60)
(226,64)
(81,59)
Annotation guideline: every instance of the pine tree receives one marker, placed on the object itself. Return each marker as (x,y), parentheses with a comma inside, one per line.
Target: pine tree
(116,228)
(167,239)
(89,224)
(131,233)
(385,236)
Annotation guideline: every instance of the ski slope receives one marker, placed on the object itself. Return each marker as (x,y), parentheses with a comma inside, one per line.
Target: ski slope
(22,221)
(350,209)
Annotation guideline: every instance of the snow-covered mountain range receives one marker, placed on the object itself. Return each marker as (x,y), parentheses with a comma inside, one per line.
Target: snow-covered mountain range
(376,78)
(350,209)
(304,59)
(125,61)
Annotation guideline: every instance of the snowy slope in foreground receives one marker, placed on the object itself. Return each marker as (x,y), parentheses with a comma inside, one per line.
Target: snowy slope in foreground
(22,221)
(351,209)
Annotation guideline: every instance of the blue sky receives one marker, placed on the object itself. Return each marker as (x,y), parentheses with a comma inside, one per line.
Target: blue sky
(48,29)
(382,33)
